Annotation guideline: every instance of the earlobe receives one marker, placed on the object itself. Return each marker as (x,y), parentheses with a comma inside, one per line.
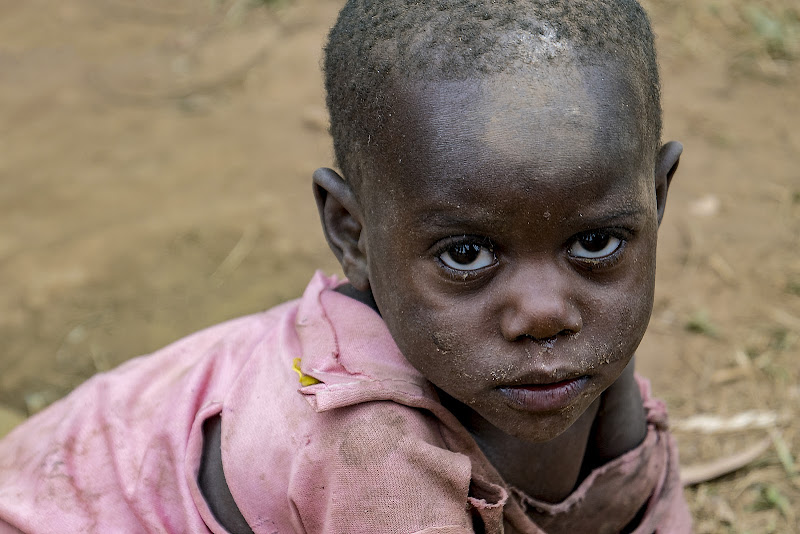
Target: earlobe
(666,164)
(341,219)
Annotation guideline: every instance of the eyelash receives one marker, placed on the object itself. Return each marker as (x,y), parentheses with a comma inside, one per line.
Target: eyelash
(466,240)
(602,262)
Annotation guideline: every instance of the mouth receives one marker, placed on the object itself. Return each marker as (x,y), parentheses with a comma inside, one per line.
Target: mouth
(545,397)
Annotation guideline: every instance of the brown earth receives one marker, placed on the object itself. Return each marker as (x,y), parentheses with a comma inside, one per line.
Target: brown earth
(154,179)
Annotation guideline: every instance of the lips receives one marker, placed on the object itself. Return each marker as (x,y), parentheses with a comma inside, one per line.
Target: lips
(545,397)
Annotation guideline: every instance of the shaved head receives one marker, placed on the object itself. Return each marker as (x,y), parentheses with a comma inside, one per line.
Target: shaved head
(377,46)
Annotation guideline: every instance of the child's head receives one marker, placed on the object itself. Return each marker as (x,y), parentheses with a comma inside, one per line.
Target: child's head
(503,185)
(377,46)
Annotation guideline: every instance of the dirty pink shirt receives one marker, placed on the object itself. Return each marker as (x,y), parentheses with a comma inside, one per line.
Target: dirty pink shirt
(368,448)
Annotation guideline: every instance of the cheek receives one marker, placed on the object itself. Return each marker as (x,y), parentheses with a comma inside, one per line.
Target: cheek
(438,341)
(432,341)
(627,306)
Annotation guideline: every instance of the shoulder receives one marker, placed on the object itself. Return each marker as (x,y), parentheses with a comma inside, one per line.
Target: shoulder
(392,461)
(385,460)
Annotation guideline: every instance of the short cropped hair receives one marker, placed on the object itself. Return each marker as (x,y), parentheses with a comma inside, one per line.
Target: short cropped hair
(377,43)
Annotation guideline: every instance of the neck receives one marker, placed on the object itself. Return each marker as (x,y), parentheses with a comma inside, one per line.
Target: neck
(548,471)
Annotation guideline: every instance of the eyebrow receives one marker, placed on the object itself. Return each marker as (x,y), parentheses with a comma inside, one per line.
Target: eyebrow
(441,219)
(624,213)
(447,220)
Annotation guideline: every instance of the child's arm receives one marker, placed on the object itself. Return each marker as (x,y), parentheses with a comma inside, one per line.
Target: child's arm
(212,483)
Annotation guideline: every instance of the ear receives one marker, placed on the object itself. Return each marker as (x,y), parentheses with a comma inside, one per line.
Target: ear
(342,223)
(666,164)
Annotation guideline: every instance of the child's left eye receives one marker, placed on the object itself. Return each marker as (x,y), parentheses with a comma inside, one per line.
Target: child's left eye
(594,245)
(467,256)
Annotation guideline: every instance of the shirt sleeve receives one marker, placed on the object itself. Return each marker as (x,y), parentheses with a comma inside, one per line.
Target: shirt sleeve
(110,457)
(380,467)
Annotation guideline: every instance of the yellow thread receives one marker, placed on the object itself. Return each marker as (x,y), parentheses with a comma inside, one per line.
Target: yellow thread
(305,380)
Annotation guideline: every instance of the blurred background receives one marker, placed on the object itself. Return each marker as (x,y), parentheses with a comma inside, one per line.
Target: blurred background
(155,163)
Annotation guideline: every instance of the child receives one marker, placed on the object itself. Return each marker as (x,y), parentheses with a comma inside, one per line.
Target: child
(503,182)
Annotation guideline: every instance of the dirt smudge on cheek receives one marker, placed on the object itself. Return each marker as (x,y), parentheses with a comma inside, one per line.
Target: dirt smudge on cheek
(442,340)
(451,355)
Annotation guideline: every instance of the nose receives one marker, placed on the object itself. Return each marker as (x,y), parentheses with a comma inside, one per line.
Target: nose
(539,303)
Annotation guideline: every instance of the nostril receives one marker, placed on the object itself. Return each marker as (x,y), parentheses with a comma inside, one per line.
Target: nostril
(540,317)
(548,342)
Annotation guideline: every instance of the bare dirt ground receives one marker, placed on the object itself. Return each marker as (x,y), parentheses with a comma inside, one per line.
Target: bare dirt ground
(154,179)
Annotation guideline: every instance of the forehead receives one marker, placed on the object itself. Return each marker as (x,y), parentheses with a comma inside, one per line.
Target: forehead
(525,129)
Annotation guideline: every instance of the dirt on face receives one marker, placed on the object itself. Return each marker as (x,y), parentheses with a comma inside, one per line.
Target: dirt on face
(155,178)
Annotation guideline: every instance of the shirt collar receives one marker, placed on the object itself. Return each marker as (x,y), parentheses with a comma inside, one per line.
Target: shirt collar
(348,348)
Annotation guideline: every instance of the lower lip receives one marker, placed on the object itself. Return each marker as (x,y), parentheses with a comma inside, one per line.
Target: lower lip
(546,397)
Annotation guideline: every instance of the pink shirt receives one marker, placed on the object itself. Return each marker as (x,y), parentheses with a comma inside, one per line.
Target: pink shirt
(366,449)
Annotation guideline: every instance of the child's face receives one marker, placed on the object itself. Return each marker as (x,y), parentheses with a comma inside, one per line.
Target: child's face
(511,237)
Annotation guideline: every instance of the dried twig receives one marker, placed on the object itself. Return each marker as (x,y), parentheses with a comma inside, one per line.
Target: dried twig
(238,253)
(731,374)
(695,474)
(714,424)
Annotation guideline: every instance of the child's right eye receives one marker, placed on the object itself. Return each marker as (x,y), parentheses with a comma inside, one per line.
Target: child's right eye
(467,256)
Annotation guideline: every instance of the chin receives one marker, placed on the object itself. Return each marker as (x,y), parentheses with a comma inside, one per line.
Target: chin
(541,428)
(542,435)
